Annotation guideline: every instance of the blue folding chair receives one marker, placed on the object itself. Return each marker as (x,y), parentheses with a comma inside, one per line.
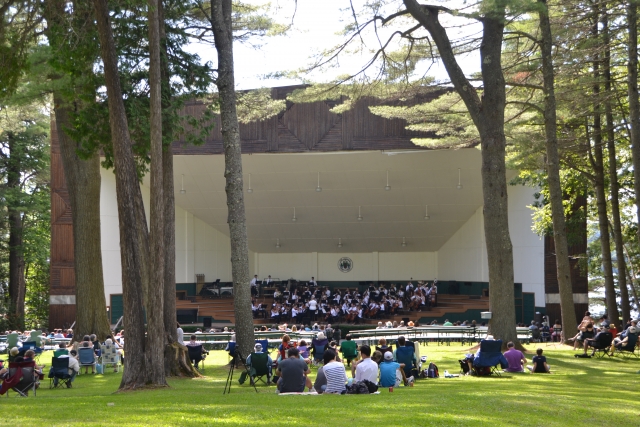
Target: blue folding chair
(405,355)
(490,356)
(319,347)
(30,345)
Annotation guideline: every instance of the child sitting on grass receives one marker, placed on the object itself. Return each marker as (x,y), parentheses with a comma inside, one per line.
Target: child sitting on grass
(540,365)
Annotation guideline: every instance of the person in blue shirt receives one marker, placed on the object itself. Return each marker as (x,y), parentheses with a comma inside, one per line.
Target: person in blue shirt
(390,371)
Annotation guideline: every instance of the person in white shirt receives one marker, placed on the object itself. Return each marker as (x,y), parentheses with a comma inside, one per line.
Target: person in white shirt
(254,281)
(268,280)
(74,367)
(312,282)
(313,307)
(365,369)
(180,335)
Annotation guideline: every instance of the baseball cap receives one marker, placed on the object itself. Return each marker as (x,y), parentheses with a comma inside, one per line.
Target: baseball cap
(388,355)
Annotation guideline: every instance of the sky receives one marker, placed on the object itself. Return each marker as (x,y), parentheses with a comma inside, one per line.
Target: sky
(315,28)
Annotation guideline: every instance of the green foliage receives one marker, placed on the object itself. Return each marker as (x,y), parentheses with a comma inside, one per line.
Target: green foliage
(24,143)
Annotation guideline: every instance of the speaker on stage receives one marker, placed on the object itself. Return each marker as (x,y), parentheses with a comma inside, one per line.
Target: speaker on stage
(206,322)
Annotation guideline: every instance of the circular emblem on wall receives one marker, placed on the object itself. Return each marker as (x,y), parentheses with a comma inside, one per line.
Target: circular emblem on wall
(345,264)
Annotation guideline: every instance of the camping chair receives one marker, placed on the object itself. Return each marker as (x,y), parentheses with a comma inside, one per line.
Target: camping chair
(30,345)
(536,335)
(87,357)
(109,356)
(319,346)
(384,350)
(60,371)
(405,355)
(21,378)
(196,356)
(60,352)
(12,340)
(36,336)
(490,356)
(349,350)
(259,368)
(629,350)
(602,346)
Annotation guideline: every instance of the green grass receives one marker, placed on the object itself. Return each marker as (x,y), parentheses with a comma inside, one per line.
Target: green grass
(580,392)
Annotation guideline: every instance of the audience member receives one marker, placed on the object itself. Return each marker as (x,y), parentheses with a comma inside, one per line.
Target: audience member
(540,365)
(366,369)
(293,373)
(515,358)
(335,373)
(390,371)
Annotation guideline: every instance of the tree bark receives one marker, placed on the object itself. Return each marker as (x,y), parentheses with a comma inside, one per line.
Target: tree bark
(155,304)
(597,162)
(223,35)
(563,272)
(127,190)
(634,103)
(614,186)
(17,284)
(83,185)
(488,116)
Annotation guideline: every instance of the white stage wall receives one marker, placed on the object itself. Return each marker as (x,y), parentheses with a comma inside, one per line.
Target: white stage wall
(201,249)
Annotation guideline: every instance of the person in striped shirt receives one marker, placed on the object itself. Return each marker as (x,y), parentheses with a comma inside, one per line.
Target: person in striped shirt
(335,373)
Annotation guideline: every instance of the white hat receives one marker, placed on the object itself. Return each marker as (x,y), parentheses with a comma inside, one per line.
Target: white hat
(388,355)
(633,330)
(321,335)
(258,347)
(489,337)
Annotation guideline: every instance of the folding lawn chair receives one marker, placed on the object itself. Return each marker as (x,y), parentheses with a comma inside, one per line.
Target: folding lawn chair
(109,356)
(349,350)
(405,355)
(259,368)
(31,345)
(59,373)
(489,357)
(319,346)
(602,346)
(21,378)
(629,350)
(196,356)
(87,357)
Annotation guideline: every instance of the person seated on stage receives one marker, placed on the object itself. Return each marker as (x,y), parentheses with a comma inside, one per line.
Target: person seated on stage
(540,365)
(292,373)
(515,358)
(602,340)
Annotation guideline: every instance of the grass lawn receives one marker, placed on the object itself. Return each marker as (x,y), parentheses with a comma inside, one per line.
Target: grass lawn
(579,392)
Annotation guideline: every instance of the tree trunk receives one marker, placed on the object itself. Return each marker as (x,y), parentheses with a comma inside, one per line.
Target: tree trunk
(83,183)
(128,191)
(488,116)
(614,186)
(597,162)
(176,357)
(155,305)
(17,284)
(563,272)
(634,104)
(223,34)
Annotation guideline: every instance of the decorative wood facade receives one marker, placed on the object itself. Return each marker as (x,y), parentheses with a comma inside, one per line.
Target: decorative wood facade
(62,281)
